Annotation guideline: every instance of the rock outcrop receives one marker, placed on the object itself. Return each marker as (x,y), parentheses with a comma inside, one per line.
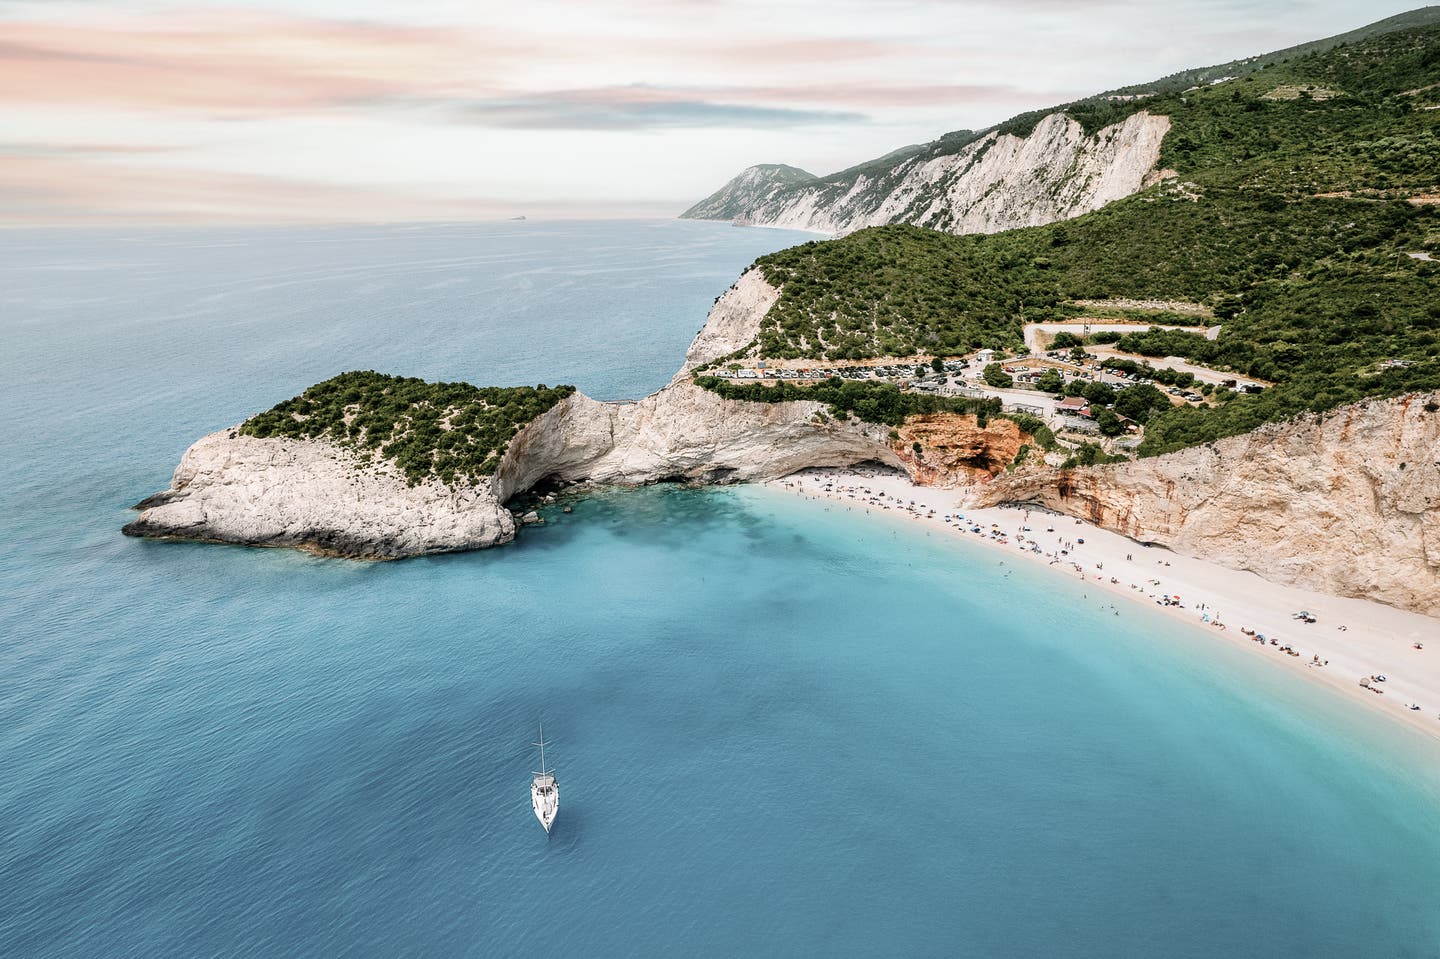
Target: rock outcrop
(1347,503)
(754,186)
(316,496)
(955,450)
(733,323)
(996,182)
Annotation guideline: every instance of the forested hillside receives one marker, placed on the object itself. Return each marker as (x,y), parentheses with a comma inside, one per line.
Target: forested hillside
(1303,212)
(454,432)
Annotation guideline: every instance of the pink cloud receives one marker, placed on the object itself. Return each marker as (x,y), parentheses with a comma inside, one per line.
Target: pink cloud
(64,189)
(236,64)
(250,64)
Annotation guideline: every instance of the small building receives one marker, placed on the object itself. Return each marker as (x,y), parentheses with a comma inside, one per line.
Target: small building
(1072,405)
(986,356)
(1075,425)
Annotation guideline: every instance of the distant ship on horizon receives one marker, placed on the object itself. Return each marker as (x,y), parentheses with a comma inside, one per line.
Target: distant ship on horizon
(544,790)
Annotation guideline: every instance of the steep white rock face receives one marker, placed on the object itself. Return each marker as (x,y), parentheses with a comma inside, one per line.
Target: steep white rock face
(311,495)
(733,323)
(684,433)
(754,185)
(997,183)
(1347,503)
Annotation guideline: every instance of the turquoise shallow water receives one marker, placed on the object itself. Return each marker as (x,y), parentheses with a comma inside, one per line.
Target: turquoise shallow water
(781,728)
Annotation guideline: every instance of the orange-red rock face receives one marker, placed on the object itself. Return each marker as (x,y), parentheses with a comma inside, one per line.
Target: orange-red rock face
(1347,502)
(955,450)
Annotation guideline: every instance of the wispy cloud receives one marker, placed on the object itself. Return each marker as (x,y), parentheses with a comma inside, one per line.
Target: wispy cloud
(593,110)
(233,63)
(61,189)
(151,109)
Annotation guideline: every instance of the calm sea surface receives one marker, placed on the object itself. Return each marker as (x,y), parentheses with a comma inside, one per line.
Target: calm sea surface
(781,728)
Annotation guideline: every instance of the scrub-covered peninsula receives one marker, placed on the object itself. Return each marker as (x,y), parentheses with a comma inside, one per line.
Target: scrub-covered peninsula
(1277,236)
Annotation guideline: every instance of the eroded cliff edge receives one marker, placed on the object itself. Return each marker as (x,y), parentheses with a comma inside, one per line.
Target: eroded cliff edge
(998,182)
(316,495)
(1347,502)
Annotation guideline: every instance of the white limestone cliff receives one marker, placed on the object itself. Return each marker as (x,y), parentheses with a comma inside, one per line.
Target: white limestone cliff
(316,496)
(734,321)
(1347,502)
(312,494)
(998,182)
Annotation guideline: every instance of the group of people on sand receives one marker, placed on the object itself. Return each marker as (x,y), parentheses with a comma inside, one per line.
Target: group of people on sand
(1056,548)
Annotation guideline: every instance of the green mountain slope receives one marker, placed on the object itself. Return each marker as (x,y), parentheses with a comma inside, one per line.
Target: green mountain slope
(913,185)
(1306,221)
(757,184)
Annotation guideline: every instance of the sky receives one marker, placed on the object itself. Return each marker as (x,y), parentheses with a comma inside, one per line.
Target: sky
(360,110)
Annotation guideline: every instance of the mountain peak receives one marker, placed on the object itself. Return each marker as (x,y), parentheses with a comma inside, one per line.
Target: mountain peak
(753,187)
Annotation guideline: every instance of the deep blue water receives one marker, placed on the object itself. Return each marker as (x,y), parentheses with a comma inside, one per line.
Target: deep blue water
(781,728)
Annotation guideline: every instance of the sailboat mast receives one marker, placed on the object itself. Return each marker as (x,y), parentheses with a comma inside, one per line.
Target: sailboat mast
(542,749)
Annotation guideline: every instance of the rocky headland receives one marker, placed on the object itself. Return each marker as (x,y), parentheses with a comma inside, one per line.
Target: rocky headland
(999,181)
(1347,502)
(318,495)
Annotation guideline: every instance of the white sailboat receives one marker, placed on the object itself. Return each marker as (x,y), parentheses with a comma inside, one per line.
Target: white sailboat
(544,790)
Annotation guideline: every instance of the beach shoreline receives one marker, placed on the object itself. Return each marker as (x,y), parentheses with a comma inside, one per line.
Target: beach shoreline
(1348,639)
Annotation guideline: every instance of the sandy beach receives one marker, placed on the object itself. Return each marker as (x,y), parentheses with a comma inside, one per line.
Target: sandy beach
(1348,640)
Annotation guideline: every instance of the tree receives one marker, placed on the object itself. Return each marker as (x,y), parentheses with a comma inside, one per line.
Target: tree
(1109,423)
(1077,353)
(1140,402)
(1099,393)
(1051,381)
(920,372)
(938,365)
(1088,454)
(996,376)
(1065,339)
(1228,307)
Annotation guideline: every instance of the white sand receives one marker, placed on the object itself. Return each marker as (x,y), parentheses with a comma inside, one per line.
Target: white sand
(1356,637)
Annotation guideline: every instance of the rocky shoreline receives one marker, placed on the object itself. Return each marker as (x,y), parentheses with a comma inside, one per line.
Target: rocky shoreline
(1347,502)
(315,495)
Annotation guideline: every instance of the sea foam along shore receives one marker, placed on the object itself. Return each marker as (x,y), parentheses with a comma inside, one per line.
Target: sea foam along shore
(1350,638)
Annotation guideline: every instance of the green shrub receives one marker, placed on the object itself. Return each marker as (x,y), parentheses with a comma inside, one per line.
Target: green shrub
(995,375)
(867,400)
(453,432)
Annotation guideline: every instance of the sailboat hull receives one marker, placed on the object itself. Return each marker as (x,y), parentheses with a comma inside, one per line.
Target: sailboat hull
(545,800)
(544,790)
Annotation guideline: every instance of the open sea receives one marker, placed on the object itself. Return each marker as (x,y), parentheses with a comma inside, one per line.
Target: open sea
(781,728)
